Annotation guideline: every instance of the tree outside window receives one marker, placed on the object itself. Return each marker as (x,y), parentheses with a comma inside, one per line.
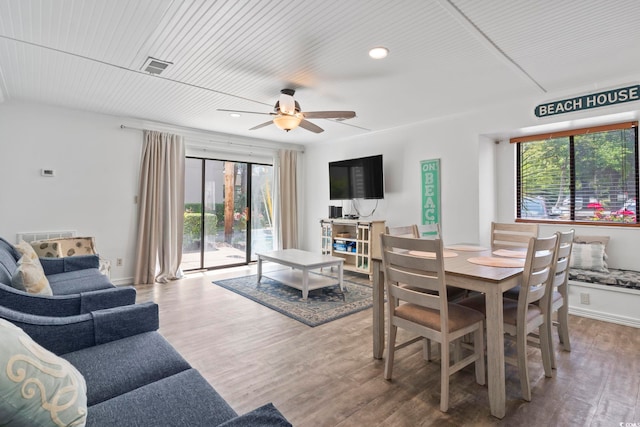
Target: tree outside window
(582,176)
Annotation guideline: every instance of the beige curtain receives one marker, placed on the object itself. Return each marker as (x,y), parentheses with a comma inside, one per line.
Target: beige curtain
(287,199)
(161,209)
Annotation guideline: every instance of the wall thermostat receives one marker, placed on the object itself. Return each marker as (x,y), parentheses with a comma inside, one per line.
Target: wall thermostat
(47,172)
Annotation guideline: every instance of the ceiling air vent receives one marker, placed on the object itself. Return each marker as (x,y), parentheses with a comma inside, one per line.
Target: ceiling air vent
(155,66)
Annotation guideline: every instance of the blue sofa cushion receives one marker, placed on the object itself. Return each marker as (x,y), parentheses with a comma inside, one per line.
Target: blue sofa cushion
(74,282)
(120,366)
(66,305)
(266,415)
(183,399)
(9,257)
(41,305)
(62,265)
(52,332)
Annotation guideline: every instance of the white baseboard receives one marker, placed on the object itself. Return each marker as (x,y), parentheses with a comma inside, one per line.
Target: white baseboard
(124,281)
(605,317)
(607,303)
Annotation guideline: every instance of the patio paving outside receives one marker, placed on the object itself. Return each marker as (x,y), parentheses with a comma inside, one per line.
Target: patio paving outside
(224,254)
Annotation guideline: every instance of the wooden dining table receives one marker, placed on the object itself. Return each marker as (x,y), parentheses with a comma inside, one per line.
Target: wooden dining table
(461,273)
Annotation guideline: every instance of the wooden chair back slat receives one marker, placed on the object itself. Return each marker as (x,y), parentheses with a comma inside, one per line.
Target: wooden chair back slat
(512,236)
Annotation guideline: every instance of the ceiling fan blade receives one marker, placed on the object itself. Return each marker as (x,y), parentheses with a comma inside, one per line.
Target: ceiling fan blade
(310,126)
(329,114)
(262,125)
(246,112)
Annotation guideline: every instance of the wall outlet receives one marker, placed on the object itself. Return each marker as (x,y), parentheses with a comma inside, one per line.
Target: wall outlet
(584,299)
(119,262)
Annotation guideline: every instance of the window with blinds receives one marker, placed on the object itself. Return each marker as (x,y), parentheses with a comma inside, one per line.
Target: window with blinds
(581,176)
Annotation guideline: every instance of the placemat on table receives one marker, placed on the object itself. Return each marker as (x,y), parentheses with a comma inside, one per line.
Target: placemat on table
(468,248)
(497,262)
(510,253)
(445,254)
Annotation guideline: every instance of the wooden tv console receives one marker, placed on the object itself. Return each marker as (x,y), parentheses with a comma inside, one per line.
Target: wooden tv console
(354,240)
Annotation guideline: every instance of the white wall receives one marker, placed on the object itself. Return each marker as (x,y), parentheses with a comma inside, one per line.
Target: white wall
(478,175)
(97,165)
(403,149)
(97,176)
(96,180)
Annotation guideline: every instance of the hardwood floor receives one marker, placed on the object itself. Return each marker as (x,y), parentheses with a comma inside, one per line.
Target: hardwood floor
(326,376)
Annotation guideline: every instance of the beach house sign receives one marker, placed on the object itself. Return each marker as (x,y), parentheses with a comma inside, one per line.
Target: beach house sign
(585,102)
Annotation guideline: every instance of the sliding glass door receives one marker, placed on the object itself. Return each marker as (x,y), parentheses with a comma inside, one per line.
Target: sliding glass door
(228,213)
(261,209)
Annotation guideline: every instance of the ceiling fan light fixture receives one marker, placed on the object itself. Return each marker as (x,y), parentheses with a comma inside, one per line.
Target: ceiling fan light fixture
(287,122)
(287,104)
(379,52)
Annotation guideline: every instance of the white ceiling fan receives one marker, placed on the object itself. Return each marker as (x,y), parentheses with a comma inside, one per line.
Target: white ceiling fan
(287,114)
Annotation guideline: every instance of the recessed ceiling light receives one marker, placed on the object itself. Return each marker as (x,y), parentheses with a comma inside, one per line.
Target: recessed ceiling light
(379,52)
(235,115)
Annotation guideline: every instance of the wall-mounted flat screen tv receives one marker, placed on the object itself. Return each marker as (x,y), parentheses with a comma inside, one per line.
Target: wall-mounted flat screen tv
(360,178)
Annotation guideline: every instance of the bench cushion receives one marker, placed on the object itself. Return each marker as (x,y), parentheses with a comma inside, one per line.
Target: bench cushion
(615,277)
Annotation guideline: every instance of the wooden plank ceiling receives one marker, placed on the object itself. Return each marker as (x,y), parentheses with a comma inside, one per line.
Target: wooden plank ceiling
(446,57)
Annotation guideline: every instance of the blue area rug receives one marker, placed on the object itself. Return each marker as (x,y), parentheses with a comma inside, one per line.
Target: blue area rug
(323,305)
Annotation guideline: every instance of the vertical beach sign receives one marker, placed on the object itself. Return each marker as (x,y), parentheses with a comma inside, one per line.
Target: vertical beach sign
(430,191)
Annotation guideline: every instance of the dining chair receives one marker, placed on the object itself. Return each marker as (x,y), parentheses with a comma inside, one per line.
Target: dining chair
(512,236)
(427,311)
(429,231)
(452,293)
(410,231)
(403,231)
(432,231)
(523,316)
(559,298)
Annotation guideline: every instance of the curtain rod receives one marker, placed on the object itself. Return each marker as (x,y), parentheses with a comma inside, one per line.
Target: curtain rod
(203,138)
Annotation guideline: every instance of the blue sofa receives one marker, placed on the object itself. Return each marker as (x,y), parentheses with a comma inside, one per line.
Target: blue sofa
(77,285)
(134,377)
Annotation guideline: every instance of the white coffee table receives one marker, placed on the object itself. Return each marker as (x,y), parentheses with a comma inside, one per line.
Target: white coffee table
(298,275)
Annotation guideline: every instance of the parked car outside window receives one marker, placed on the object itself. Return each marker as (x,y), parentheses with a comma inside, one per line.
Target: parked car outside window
(629,208)
(533,207)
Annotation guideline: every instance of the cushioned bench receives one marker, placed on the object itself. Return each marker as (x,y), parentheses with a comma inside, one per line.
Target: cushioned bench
(598,291)
(623,278)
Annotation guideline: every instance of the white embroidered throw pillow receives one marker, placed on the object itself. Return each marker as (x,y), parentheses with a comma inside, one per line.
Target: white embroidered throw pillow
(37,388)
(29,276)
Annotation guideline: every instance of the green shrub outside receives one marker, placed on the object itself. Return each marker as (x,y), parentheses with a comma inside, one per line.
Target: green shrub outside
(219,210)
(192,225)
